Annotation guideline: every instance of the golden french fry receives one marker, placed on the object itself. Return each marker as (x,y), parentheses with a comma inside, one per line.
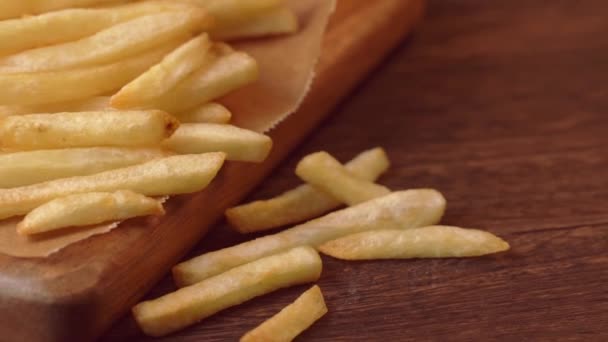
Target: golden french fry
(167,176)
(26,168)
(229,12)
(110,45)
(326,173)
(88,209)
(280,20)
(227,73)
(211,112)
(71,24)
(165,75)
(303,202)
(238,143)
(92,104)
(292,320)
(67,85)
(425,242)
(18,8)
(86,129)
(399,210)
(193,303)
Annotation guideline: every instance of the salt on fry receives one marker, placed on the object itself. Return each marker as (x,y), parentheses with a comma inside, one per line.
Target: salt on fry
(399,210)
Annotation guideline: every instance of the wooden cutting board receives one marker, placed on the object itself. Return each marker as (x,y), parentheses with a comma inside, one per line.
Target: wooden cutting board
(77,293)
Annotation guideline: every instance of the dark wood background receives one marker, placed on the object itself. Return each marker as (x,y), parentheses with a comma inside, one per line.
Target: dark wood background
(503,106)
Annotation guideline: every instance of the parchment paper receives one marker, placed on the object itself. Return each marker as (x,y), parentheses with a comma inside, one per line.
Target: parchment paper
(287,66)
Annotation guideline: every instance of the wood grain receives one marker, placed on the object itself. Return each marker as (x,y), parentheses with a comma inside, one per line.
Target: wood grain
(502,106)
(77,293)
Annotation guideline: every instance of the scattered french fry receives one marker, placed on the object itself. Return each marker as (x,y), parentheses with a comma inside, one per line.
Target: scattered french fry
(229,72)
(191,304)
(59,27)
(292,320)
(110,45)
(303,202)
(425,242)
(93,104)
(88,209)
(238,143)
(326,173)
(167,176)
(211,112)
(18,8)
(399,210)
(86,129)
(230,12)
(67,85)
(166,75)
(278,21)
(30,167)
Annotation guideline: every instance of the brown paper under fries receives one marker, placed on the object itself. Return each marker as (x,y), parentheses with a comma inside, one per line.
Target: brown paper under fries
(260,106)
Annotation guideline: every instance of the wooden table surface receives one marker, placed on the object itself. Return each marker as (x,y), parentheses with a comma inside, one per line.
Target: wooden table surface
(503,106)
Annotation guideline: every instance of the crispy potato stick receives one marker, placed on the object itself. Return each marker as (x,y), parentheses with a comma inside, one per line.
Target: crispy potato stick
(88,209)
(167,176)
(211,112)
(304,202)
(229,72)
(229,12)
(68,85)
(71,24)
(292,320)
(86,129)
(326,173)
(194,303)
(167,74)
(399,210)
(425,242)
(278,21)
(238,143)
(18,8)
(92,104)
(110,45)
(26,168)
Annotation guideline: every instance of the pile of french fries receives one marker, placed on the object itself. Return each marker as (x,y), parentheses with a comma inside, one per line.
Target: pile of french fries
(376,224)
(107,105)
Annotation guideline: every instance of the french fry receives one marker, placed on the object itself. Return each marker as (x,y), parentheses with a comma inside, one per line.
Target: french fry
(191,304)
(326,173)
(278,21)
(238,143)
(68,85)
(399,210)
(59,27)
(88,209)
(26,168)
(167,176)
(229,72)
(167,74)
(211,112)
(425,242)
(303,202)
(18,8)
(92,104)
(230,12)
(110,45)
(86,129)
(292,320)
